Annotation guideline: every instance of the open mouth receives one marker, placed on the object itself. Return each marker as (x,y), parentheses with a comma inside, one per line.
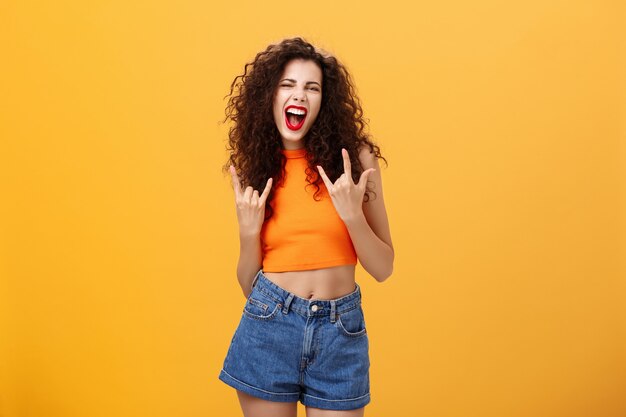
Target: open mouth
(295,116)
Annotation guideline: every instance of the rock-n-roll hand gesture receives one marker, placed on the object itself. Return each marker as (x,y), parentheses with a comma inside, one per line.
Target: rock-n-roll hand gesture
(347,197)
(250,206)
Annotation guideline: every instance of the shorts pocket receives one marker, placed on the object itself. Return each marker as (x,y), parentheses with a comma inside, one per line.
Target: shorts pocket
(352,322)
(261,306)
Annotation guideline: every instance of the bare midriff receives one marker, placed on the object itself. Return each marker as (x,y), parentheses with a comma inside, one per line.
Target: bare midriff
(317,284)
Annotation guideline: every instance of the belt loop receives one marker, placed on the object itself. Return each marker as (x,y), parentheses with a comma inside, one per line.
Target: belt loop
(332,311)
(287,303)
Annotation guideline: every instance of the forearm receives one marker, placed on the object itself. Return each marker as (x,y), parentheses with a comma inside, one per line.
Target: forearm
(250,261)
(374,254)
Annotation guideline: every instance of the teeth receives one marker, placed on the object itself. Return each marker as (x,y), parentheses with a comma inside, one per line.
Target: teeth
(296,111)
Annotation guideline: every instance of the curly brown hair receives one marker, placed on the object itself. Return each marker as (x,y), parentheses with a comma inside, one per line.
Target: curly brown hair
(254,140)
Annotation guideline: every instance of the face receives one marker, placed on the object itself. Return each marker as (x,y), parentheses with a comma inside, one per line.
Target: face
(297,101)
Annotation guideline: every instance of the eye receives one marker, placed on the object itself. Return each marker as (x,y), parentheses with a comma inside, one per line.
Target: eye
(315,89)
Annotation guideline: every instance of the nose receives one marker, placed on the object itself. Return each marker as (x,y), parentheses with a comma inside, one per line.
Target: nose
(299,95)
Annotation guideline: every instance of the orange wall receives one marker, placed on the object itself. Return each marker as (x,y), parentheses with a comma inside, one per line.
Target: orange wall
(504,124)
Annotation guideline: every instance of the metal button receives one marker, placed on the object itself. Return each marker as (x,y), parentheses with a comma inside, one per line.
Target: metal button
(314,307)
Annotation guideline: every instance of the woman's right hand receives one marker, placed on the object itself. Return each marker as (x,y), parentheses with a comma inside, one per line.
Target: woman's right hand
(250,206)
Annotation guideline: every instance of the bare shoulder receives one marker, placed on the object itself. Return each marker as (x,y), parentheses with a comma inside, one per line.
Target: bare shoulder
(374,209)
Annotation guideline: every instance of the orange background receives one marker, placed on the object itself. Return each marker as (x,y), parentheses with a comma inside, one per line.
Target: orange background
(504,124)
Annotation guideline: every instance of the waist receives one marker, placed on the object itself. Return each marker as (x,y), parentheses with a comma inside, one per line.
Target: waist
(319,284)
(303,306)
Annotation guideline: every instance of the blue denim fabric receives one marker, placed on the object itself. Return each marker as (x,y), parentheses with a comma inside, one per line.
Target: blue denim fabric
(287,348)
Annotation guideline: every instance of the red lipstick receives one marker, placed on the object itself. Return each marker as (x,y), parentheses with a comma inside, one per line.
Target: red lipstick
(300,123)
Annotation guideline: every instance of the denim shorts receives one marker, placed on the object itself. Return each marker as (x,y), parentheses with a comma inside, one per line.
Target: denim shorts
(287,348)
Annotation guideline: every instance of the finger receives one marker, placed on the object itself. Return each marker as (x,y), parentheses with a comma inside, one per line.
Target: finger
(255,198)
(365,176)
(235,178)
(266,191)
(347,167)
(327,181)
(248,193)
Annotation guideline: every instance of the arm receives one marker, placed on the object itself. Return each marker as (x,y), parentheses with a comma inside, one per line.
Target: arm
(250,260)
(369,230)
(250,216)
(375,255)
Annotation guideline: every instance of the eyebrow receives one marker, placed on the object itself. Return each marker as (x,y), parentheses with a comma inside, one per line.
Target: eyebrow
(293,81)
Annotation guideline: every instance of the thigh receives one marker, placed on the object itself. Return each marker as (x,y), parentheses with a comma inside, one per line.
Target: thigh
(318,412)
(337,375)
(257,407)
(263,359)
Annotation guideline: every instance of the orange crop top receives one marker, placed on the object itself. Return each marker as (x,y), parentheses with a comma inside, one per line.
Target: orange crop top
(303,233)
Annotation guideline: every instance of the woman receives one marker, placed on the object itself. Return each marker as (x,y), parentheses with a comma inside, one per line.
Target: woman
(302,334)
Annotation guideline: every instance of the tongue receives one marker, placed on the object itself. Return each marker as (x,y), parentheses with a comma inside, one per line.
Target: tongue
(294,119)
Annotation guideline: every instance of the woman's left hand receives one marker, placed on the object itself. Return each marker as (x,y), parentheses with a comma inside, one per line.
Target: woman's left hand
(346,196)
